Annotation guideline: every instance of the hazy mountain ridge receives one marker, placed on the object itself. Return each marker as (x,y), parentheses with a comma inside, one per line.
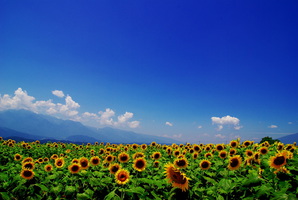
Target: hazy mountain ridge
(26,124)
(289,139)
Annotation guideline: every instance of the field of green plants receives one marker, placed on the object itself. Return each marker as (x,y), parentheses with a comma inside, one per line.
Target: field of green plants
(238,170)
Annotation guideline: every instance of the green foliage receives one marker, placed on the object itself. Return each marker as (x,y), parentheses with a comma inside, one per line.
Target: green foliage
(269,140)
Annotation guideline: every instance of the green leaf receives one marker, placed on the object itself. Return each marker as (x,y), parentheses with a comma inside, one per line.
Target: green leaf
(83,196)
(69,190)
(155,195)
(252,179)
(111,195)
(138,190)
(219,197)
(42,187)
(225,184)
(56,189)
(5,196)
(210,180)
(89,192)
(51,177)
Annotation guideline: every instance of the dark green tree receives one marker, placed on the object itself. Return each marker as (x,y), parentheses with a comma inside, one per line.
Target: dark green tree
(269,140)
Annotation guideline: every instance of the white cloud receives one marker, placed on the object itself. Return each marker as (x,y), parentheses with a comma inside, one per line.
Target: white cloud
(133,124)
(58,93)
(169,124)
(226,120)
(220,136)
(106,117)
(69,110)
(272,126)
(200,126)
(290,122)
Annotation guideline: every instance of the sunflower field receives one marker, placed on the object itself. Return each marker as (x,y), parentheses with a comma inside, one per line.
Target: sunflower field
(238,170)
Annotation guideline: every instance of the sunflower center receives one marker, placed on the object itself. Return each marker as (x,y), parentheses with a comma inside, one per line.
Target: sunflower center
(156,156)
(249,153)
(223,155)
(279,160)
(115,169)
(124,158)
(59,163)
(122,177)
(140,164)
(205,165)
(75,168)
(95,161)
(84,164)
(181,163)
(27,173)
(264,151)
(234,162)
(219,148)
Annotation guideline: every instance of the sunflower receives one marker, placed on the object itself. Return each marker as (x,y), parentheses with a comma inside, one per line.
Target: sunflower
(75,160)
(156,155)
(84,163)
(122,176)
(223,154)
(208,155)
(195,155)
(74,168)
(153,144)
(28,159)
(176,177)
(156,164)
(27,174)
(138,155)
(278,160)
(46,159)
(176,153)
(234,162)
(144,146)
(181,163)
(40,160)
(205,164)
(59,162)
(123,157)
(207,148)
(135,146)
(48,167)
(219,147)
(28,165)
(232,151)
(113,168)
(17,157)
(246,143)
(95,160)
(249,153)
(263,150)
(101,151)
(54,156)
(234,144)
(139,164)
(109,159)
(169,150)
(196,148)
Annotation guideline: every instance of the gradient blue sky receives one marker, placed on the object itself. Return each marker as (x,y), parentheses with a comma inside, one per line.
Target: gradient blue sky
(181,62)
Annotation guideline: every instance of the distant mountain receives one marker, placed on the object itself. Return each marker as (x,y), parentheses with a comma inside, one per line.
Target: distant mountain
(289,139)
(26,124)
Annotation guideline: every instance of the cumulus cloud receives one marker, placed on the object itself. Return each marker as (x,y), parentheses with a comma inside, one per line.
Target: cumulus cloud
(68,110)
(272,126)
(200,126)
(226,120)
(220,136)
(58,93)
(169,124)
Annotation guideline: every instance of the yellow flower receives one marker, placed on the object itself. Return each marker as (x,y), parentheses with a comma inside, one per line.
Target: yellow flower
(27,174)
(205,164)
(278,160)
(176,177)
(74,168)
(139,164)
(122,176)
(113,168)
(234,162)
(181,163)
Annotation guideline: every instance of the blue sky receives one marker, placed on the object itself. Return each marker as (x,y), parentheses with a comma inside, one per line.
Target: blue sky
(214,70)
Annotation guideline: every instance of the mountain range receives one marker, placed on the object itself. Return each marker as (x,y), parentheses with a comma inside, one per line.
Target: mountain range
(27,125)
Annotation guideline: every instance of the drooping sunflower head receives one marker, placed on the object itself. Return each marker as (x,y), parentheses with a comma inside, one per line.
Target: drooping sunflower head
(232,151)
(195,155)
(234,162)
(27,174)
(113,168)
(263,150)
(249,153)
(54,156)
(17,157)
(156,155)
(139,164)
(208,155)
(28,165)
(123,157)
(48,167)
(84,162)
(223,154)
(205,164)
(278,160)
(95,160)
(156,164)
(169,150)
(122,176)
(28,159)
(138,155)
(176,177)
(181,163)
